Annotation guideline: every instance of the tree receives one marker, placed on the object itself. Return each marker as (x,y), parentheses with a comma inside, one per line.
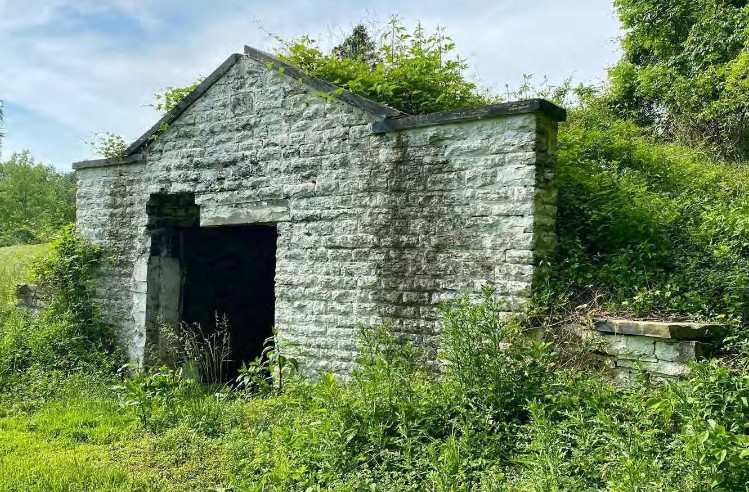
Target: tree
(358,46)
(685,70)
(35,200)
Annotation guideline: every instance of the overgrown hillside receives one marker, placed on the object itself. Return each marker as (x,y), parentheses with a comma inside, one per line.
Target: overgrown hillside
(647,227)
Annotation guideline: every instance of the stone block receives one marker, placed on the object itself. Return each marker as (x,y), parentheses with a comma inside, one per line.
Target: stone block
(664,369)
(629,347)
(662,329)
(682,351)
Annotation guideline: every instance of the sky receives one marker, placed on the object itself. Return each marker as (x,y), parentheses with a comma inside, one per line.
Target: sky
(72,68)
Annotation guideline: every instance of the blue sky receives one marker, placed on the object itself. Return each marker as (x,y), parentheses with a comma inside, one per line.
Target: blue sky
(69,68)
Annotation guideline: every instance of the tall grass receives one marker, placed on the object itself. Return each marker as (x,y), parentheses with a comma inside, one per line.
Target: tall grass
(513,425)
(14,268)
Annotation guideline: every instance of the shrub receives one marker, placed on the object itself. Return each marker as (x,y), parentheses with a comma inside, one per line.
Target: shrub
(647,227)
(69,335)
(415,72)
(490,362)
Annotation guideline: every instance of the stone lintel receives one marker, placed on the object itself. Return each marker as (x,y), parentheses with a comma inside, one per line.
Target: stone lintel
(675,330)
(260,212)
(551,110)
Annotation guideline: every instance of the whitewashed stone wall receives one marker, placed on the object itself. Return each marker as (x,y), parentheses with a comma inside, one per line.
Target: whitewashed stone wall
(373,225)
(111,211)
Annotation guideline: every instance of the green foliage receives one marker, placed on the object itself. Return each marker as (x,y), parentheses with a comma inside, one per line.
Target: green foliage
(357,46)
(169,97)
(269,371)
(68,274)
(68,336)
(35,200)
(108,145)
(148,393)
(199,352)
(647,227)
(685,69)
(415,72)
(15,262)
(395,425)
(492,364)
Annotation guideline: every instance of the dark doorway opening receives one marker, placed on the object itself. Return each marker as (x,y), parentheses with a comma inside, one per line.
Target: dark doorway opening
(229,271)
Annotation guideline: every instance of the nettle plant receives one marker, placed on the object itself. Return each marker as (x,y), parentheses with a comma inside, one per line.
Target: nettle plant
(415,72)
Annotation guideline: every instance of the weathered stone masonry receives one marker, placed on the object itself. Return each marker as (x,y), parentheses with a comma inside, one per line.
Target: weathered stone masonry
(380,216)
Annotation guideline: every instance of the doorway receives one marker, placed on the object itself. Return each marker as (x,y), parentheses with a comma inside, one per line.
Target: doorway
(229,272)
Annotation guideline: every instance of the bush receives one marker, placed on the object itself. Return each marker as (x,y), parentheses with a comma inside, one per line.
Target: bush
(69,334)
(493,364)
(646,227)
(415,72)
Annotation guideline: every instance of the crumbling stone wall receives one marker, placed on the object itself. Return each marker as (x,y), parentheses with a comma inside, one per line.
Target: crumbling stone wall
(658,349)
(379,217)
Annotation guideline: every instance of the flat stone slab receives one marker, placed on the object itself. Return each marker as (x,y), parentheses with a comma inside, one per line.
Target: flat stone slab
(675,330)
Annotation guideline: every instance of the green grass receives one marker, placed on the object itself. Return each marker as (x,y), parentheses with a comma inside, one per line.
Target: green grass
(68,443)
(14,267)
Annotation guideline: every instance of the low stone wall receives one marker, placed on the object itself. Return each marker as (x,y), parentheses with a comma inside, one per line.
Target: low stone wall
(661,350)
(30,298)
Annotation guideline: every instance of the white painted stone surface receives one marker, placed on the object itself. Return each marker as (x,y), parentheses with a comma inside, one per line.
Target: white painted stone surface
(371,226)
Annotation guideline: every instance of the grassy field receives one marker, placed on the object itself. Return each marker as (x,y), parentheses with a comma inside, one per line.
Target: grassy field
(14,267)
(66,444)
(60,438)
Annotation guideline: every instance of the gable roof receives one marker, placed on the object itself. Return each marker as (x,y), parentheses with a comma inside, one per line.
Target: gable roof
(273,62)
(391,119)
(181,106)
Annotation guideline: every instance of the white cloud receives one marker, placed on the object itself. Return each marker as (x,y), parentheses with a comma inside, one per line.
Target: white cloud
(70,65)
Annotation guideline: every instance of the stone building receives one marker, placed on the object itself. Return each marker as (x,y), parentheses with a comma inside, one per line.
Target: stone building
(261,197)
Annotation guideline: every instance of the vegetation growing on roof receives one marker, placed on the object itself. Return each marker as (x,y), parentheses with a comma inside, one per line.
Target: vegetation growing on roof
(413,71)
